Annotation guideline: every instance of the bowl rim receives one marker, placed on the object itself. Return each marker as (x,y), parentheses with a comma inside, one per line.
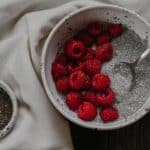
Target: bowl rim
(13,119)
(131,119)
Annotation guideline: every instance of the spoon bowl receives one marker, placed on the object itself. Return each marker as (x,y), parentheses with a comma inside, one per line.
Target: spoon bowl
(132,66)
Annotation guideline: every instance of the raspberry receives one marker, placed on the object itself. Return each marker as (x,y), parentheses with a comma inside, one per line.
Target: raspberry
(104,52)
(74,49)
(77,79)
(95,28)
(109,114)
(80,66)
(85,38)
(90,54)
(87,83)
(92,66)
(115,29)
(73,100)
(90,96)
(87,111)
(100,81)
(61,59)
(58,70)
(72,68)
(104,38)
(62,85)
(106,98)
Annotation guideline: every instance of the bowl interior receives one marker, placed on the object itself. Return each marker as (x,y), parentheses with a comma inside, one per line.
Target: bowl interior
(13,118)
(66,29)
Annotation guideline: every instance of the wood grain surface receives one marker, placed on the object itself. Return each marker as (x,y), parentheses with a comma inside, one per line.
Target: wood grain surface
(133,137)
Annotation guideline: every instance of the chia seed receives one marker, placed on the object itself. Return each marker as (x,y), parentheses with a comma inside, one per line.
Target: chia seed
(5,109)
(128,47)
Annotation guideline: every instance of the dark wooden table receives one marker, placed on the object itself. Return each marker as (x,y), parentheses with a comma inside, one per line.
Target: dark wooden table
(133,137)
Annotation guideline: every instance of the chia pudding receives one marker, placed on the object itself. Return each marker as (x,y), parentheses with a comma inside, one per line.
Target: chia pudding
(6,109)
(128,47)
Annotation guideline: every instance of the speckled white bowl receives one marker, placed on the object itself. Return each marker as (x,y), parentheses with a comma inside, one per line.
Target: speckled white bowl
(63,31)
(12,121)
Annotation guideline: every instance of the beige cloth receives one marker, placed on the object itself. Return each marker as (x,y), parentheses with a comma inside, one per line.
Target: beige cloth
(24,26)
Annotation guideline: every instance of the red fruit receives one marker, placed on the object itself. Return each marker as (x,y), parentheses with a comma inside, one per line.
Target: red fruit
(61,59)
(100,81)
(92,66)
(72,68)
(74,49)
(115,29)
(87,111)
(62,85)
(73,100)
(90,54)
(80,66)
(58,70)
(104,52)
(87,83)
(95,28)
(85,38)
(106,98)
(90,96)
(104,38)
(77,79)
(109,114)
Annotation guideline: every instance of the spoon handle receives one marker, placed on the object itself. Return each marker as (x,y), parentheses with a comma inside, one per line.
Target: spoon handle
(143,56)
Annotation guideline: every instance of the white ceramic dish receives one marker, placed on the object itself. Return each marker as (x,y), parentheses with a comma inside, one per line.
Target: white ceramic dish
(12,121)
(75,21)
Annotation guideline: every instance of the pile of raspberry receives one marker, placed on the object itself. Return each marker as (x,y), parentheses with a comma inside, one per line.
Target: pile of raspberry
(77,72)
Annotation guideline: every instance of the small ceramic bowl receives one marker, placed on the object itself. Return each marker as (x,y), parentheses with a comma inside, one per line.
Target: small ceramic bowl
(64,30)
(13,118)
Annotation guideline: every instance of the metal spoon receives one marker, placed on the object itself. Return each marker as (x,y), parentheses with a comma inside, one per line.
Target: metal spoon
(134,64)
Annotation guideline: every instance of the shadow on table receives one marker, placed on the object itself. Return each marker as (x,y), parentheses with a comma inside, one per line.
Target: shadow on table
(133,137)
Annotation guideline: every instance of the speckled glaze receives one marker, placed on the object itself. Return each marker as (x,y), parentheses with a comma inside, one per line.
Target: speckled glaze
(65,29)
(12,121)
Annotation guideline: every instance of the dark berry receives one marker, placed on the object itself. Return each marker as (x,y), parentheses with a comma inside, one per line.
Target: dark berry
(95,28)
(87,111)
(100,81)
(77,79)
(74,49)
(104,52)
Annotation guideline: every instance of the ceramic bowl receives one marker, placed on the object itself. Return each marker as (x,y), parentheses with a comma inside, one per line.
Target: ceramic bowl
(64,30)
(12,121)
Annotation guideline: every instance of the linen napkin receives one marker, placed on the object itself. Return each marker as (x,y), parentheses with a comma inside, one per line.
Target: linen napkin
(24,27)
